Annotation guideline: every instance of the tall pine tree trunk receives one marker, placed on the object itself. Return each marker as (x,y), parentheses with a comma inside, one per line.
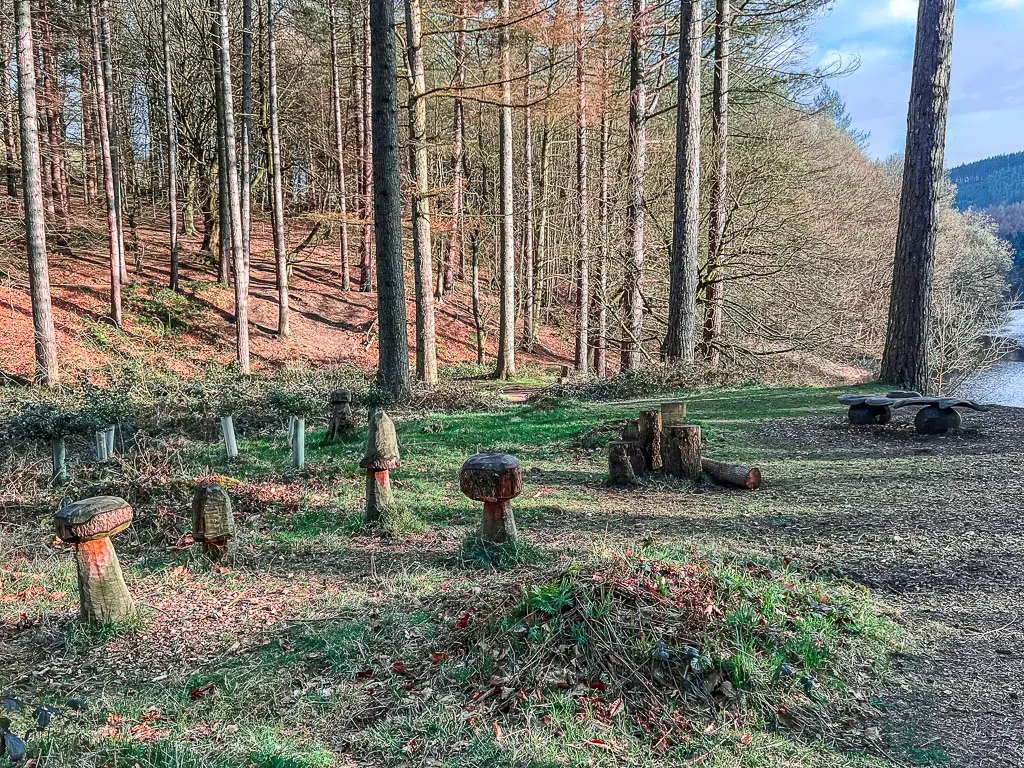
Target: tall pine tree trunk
(106,73)
(393,366)
(223,51)
(905,360)
(172,146)
(369,174)
(682,295)
(109,182)
(277,195)
(339,148)
(604,222)
(632,298)
(456,243)
(45,340)
(583,202)
(529,329)
(506,366)
(714,293)
(245,170)
(419,167)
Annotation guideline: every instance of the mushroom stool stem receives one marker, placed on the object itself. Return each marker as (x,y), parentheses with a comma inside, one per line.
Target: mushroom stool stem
(103,595)
(498,524)
(379,496)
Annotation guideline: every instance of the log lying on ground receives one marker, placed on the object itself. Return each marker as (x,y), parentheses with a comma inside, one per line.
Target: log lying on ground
(732,474)
(680,450)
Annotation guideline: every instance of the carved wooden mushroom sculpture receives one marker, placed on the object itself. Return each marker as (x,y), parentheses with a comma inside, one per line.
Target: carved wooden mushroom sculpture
(495,479)
(381,456)
(213,524)
(89,524)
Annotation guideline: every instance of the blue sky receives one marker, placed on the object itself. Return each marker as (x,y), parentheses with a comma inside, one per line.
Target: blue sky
(986,112)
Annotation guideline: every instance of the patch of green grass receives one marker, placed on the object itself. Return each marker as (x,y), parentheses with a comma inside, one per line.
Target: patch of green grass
(476,553)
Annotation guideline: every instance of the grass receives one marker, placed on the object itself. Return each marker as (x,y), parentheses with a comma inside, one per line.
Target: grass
(356,655)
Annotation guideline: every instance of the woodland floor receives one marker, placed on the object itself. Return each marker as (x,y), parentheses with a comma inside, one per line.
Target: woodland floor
(290,657)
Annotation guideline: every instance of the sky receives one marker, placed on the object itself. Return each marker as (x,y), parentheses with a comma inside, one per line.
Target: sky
(986,109)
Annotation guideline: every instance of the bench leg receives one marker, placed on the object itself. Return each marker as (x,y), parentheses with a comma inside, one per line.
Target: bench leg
(932,420)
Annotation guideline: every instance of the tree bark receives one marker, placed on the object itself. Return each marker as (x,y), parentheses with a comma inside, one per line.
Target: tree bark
(732,474)
(245,139)
(10,142)
(369,173)
(905,361)
(529,329)
(106,73)
(223,52)
(604,223)
(682,296)
(419,167)
(680,451)
(506,363)
(456,243)
(583,203)
(106,158)
(277,195)
(339,147)
(714,293)
(632,299)
(44,337)
(172,146)
(393,365)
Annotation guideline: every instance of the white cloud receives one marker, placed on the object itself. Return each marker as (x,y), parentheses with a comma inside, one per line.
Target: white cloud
(904,10)
(1002,5)
(876,15)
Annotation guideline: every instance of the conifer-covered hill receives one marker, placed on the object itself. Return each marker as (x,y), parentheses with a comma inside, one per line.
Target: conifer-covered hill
(990,182)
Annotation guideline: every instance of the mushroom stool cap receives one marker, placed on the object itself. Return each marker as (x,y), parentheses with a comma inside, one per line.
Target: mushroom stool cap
(491,477)
(95,518)
(381,444)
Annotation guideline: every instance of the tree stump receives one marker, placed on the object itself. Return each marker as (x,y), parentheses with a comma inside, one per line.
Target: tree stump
(563,377)
(934,420)
(733,474)
(381,456)
(625,462)
(680,451)
(650,439)
(342,423)
(673,414)
(88,525)
(495,479)
(213,524)
(631,431)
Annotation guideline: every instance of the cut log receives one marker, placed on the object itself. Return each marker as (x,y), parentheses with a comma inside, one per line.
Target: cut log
(680,450)
(380,499)
(342,423)
(213,524)
(935,420)
(625,462)
(650,439)
(673,414)
(732,474)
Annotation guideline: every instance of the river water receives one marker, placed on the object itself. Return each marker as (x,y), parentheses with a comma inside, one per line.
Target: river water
(1003,384)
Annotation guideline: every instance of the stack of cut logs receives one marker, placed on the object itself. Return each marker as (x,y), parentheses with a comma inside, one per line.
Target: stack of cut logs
(663,441)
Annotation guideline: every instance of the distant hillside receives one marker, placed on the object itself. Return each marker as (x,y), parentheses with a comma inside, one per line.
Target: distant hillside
(986,183)
(996,186)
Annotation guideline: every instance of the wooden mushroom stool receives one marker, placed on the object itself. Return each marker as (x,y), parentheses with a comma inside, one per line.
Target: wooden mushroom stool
(88,525)
(495,479)
(342,423)
(381,456)
(213,524)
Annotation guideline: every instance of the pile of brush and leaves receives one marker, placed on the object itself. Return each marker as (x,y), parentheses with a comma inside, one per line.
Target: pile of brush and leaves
(677,645)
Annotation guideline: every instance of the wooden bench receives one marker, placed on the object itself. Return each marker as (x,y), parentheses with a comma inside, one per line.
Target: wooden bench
(937,416)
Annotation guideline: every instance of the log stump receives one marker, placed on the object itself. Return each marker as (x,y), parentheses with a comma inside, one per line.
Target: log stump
(625,462)
(673,414)
(213,524)
(631,431)
(650,439)
(680,451)
(495,479)
(342,423)
(733,474)
(89,525)
(381,457)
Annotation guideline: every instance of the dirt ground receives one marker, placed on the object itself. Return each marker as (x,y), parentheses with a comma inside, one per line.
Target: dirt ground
(932,525)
